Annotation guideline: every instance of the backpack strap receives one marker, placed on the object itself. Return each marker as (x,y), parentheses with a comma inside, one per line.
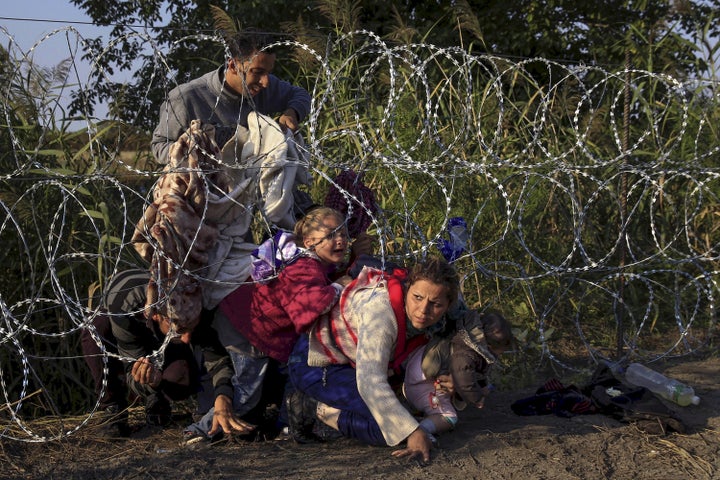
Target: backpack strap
(404,346)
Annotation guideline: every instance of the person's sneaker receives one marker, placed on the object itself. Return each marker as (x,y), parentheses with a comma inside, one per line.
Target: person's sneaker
(267,426)
(301,417)
(326,433)
(113,422)
(284,435)
(190,438)
(158,412)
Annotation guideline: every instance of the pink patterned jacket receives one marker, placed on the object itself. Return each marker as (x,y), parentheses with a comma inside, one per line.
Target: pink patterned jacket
(272,315)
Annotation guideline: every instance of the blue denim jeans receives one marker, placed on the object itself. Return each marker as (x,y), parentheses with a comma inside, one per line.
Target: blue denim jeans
(247,383)
(336,386)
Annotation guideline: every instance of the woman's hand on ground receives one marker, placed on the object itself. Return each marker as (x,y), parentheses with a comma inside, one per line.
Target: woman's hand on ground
(418,445)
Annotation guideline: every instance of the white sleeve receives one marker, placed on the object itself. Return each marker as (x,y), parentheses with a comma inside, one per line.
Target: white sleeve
(377,336)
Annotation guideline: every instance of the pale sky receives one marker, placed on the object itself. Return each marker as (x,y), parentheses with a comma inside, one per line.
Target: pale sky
(46,15)
(42,17)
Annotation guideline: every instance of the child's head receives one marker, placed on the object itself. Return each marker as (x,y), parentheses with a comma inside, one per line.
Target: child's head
(489,330)
(322,230)
(498,333)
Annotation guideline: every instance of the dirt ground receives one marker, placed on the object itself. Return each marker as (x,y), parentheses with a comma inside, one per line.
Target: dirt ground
(493,443)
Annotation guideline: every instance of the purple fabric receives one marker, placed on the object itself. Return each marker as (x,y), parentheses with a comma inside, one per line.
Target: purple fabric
(363,204)
(273,255)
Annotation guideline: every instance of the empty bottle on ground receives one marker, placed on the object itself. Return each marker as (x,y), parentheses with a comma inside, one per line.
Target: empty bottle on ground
(659,384)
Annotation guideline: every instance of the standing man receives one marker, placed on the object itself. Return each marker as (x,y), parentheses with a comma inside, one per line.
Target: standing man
(225,96)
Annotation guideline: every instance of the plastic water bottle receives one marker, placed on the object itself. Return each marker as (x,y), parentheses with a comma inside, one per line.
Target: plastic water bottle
(667,388)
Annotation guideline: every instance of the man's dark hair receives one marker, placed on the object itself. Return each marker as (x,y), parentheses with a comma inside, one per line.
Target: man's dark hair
(246,43)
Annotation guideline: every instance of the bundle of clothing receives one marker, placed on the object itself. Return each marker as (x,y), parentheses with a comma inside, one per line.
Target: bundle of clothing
(604,394)
(194,234)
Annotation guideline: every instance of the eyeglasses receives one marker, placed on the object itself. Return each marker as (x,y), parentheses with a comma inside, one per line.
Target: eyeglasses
(339,233)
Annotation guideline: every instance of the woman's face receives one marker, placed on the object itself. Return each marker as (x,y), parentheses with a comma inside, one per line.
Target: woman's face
(425,303)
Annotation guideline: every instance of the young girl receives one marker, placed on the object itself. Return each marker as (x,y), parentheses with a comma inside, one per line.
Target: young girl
(263,320)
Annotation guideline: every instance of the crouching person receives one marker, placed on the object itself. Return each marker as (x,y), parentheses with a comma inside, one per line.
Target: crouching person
(159,379)
(451,372)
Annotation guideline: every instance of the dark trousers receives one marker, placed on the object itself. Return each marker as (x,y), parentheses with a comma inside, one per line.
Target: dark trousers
(336,386)
(115,388)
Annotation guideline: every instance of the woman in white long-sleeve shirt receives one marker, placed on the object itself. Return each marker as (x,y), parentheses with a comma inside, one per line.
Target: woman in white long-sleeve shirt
(344,361)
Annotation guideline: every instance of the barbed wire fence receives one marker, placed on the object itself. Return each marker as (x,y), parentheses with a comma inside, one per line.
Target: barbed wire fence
(533,168)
